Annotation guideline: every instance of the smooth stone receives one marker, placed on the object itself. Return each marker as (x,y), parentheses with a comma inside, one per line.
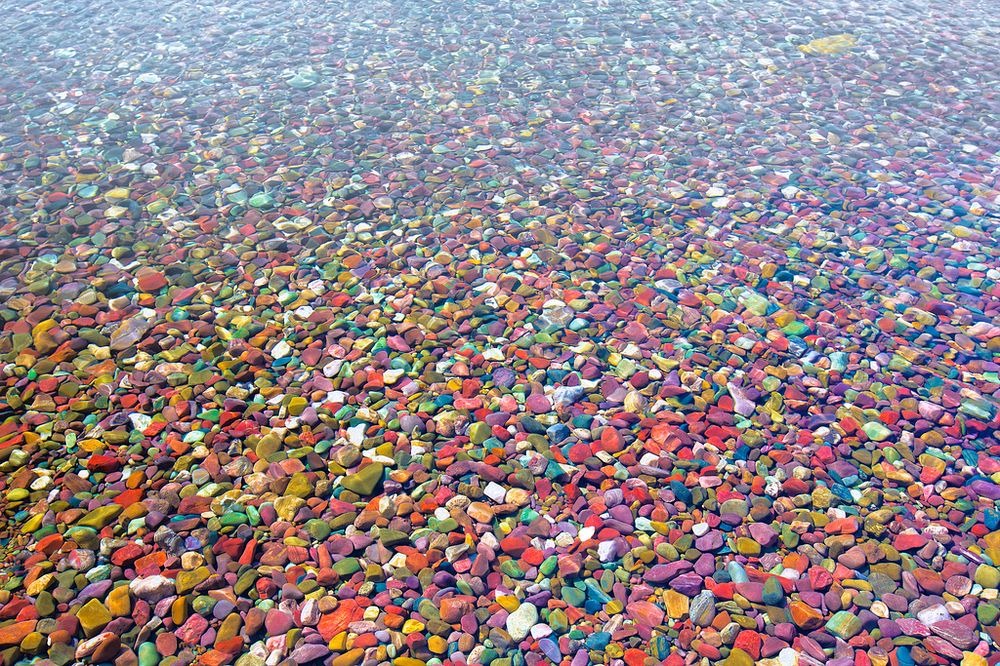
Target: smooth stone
(520,622)
(365,481)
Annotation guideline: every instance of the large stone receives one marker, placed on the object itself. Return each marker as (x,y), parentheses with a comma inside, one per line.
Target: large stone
(365,481)
(738,657)
(152,588)
(702,609)
(520,622)
(646,613)
(13,634)
(987,576)
(299,486)
(286,507)
(677,604)
(479,432)
(956,633)
(101,517)
(93,617)
(188,580)
(120,601)
(844,625)
(804,616)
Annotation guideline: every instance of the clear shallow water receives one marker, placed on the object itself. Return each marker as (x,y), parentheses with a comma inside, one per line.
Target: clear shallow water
(567,323)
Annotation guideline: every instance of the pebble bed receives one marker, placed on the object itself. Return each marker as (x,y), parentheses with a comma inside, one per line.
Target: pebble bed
(508,332)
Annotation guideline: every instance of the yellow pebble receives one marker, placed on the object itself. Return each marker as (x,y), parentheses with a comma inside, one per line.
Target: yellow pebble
(412,626)
(407,661)
(339,642)
(40,584)
(349,658)
(32,524)
(677,604)
(437,645)
(784,318)
(119,602)
(508,602)
(179,610)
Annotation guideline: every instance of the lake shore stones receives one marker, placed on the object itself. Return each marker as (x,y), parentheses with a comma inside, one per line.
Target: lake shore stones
(430,334)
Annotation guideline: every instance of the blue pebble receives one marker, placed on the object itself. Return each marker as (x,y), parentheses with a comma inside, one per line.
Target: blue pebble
(682,493)
(737,573)
(842,492)
(557,432)
(660,647)
(598,640)
(594,591)
(553,471)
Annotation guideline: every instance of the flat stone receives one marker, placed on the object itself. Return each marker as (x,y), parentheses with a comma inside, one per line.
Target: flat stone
(365,481)
(93,617)
(520,622)
(844,625)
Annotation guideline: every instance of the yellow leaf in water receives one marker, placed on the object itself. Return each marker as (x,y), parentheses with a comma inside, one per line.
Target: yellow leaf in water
(829,45)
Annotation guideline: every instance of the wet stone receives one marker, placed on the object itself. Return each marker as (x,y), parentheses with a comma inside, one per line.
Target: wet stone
(499,334)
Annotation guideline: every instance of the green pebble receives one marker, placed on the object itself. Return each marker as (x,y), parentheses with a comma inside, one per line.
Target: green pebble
(148,654)
(261,200)
(44,604)
(844,625)
(203,605)
(796,328)
(511,568)
(479,432)
(318,529)
(558,621)
(232,519)
(347,566)
(978,409)
(987,576)
(390,538)
(876,431)
(365,481)
(987,614)
(245,581)
(573,596)
(773,594)
(100,517)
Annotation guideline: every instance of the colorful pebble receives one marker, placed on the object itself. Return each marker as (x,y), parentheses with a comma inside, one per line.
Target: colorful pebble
(426,333)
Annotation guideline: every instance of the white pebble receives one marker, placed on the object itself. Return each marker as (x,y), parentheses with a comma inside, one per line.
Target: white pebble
(520,622)
(495,492)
